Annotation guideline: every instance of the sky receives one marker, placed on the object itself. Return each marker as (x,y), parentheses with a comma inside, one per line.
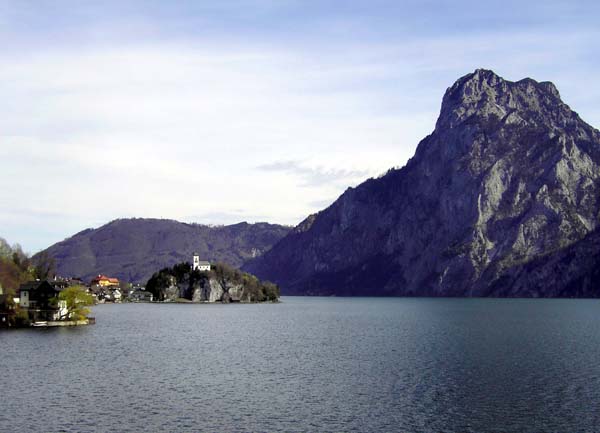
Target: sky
(221,111)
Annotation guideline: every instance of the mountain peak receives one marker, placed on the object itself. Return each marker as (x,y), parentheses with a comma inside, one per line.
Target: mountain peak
(485,94)
(479,78)
(482,74)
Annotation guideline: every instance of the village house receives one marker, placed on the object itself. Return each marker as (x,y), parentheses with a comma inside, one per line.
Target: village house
(40,300)
(59,284)
(106,289)
(104,281)
(115,295)
(106,294)
(140,295)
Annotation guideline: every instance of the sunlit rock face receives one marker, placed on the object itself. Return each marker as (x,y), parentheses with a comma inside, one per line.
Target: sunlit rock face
(509,177)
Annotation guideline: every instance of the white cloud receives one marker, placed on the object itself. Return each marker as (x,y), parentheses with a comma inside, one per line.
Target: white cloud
(171,131)
(315,176)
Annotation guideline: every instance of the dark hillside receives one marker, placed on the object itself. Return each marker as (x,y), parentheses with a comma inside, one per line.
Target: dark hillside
(132,249)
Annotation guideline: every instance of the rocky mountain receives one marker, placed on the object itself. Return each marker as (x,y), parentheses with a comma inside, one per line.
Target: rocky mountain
(501,199)
(132,249)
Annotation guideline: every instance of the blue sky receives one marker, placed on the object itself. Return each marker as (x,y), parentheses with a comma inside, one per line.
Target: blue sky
(261,110)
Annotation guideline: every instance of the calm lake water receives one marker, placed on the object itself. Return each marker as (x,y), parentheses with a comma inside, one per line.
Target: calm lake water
(311,365)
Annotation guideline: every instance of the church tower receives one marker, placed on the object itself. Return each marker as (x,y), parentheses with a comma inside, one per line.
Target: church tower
(196,262)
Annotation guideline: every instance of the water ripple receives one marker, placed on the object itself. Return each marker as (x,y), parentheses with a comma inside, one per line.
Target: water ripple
(311,365)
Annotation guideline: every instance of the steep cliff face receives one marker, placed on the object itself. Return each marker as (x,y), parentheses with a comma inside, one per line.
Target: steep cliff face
(573,271)
(208,289)
(132,249)
(509,175)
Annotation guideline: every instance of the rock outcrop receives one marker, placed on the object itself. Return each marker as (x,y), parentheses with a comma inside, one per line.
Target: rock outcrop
(508,181)
(221,284)
(213,290)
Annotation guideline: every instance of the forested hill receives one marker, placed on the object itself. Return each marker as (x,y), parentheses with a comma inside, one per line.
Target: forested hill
(132,249)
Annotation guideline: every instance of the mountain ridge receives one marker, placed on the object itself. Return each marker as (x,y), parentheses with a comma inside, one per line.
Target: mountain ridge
(132,249)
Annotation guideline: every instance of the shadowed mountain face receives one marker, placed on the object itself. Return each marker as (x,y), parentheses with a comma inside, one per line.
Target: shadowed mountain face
(509,177)
(133,249)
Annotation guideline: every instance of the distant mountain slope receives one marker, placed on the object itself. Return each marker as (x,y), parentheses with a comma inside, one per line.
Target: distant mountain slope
(132,249)
(509,177)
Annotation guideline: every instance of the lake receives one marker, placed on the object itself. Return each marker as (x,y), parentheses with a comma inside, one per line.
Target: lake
(311,365)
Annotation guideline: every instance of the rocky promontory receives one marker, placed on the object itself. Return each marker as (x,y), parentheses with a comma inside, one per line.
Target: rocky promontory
(221,284)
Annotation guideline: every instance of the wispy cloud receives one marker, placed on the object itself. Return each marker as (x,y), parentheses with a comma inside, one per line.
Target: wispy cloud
(226,217)
(315,176)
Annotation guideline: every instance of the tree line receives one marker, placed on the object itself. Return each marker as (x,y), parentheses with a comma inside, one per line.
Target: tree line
(17,267)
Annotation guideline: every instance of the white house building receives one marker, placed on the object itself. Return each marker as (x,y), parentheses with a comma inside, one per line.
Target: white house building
(200,265)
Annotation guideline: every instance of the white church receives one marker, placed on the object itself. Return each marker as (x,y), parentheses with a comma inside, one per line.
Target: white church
(197,264)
